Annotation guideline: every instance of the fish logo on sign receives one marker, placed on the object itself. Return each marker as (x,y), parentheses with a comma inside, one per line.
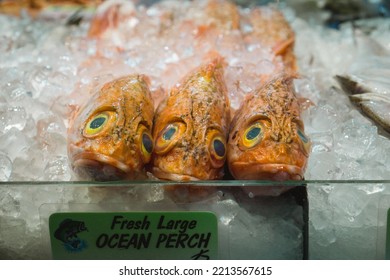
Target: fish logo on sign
(67,232)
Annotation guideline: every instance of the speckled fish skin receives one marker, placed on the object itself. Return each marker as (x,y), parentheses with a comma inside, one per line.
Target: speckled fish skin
(120,146)
(195,119)
(267,140)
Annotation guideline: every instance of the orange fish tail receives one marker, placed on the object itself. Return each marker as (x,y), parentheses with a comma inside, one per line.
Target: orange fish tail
(102,22)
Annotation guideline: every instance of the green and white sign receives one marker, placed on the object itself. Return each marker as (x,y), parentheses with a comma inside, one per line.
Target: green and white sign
(134,235)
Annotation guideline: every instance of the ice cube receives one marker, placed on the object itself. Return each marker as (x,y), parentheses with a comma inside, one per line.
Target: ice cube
(14,143)
(354,139)
(323,119)
(29,164)
(51,134)
(322,166)
(347,203)
(9,204)
(57,169)
(12,117)
(322,142)
(38,79)
(5,167)
(15,90)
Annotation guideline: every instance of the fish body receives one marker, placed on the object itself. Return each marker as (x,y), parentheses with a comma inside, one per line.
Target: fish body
(108,17)
(372,102)
(191,127)
(223,14)
(110,137)
(350,10)
(267,139)
(271,30)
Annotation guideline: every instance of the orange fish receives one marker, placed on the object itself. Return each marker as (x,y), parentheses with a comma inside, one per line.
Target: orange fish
(271,29)
(222,14)
(267,139)
(110,137)
(191,127)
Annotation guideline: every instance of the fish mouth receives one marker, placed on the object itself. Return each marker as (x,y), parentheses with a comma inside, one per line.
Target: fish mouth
(100,167)
(172,176)
(270,171)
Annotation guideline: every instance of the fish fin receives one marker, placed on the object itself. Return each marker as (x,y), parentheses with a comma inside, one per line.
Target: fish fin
(283,46)
(145,78)
(73,109)
(202,30)
(76,17)
(369,96)
(217,61)
(214,56)
(285,76)
(73,112)
(102,22)
(108,16)
(285,49)
(350,86)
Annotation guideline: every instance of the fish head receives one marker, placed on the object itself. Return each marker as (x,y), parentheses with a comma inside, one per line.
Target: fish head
(191,128)
(186,152)
(110,138)
(267,139)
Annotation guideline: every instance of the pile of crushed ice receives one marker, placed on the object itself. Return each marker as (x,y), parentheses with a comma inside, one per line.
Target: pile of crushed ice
(346,220)
(45,66)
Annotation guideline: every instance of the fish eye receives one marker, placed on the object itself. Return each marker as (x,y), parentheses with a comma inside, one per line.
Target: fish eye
(146,143)
(97,123)
(168,137)
(169,132)
(217,148)
(305,141)
(252,135)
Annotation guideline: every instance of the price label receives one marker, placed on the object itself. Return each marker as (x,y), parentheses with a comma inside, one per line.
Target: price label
(134,235)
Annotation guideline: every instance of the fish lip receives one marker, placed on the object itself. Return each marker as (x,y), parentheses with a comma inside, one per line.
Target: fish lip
(172,176)
(102,159)
(266,171)
(88,159)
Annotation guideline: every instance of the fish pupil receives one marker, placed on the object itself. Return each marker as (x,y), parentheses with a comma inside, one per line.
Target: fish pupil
(147,142)
(219,147)
(253,133)
(169,133)
(98,122)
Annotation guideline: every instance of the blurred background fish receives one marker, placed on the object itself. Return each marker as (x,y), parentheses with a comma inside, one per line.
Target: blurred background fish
(334,12)
(369,89)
